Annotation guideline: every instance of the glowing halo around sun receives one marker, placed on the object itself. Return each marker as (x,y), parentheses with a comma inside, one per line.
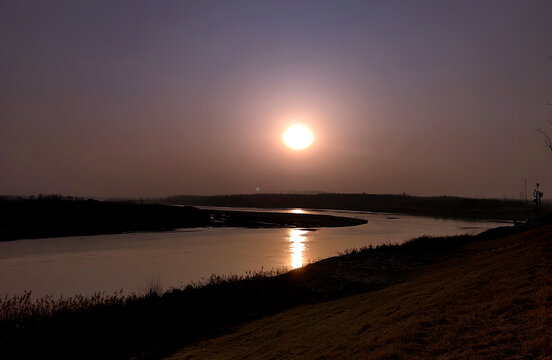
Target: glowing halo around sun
(297,137)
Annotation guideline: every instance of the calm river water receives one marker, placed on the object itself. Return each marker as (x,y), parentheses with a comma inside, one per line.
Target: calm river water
(130,262)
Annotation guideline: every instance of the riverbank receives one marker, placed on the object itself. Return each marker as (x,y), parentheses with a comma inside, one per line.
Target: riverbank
(56,216)
(491,300)
(154,324)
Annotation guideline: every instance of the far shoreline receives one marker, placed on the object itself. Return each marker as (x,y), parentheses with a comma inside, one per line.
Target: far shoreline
(55,216)
(445,207)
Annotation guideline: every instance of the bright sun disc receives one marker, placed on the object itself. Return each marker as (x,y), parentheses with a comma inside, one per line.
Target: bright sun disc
(297,137)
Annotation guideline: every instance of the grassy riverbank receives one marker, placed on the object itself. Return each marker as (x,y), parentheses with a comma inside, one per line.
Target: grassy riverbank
(492,299)
(156,324)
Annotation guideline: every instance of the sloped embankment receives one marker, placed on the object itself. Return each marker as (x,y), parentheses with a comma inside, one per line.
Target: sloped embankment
(491,300)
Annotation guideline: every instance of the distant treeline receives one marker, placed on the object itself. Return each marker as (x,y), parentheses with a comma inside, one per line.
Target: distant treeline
(442,206)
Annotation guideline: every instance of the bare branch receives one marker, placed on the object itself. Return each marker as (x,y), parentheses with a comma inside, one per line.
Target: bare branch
(547,140)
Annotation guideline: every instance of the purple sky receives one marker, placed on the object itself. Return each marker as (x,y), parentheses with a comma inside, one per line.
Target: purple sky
(135,98)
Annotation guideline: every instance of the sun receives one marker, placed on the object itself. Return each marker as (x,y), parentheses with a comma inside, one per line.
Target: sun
(297,137)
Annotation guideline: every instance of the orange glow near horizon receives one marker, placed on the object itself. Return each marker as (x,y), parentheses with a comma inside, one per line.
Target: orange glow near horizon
(297,137)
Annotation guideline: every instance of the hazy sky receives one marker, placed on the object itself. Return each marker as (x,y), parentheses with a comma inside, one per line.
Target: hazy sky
(136,98)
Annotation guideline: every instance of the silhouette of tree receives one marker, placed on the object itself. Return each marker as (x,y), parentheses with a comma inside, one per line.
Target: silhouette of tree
(547,140)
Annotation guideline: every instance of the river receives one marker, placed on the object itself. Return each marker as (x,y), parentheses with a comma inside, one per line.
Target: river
(132,262)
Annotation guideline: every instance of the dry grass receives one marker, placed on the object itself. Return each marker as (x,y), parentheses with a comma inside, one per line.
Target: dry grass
(23,307)
(492,301)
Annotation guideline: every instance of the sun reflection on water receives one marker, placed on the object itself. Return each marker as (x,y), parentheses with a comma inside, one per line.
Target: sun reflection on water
(297,239)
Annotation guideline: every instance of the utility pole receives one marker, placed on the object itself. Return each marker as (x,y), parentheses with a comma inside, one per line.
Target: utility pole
(525,188)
